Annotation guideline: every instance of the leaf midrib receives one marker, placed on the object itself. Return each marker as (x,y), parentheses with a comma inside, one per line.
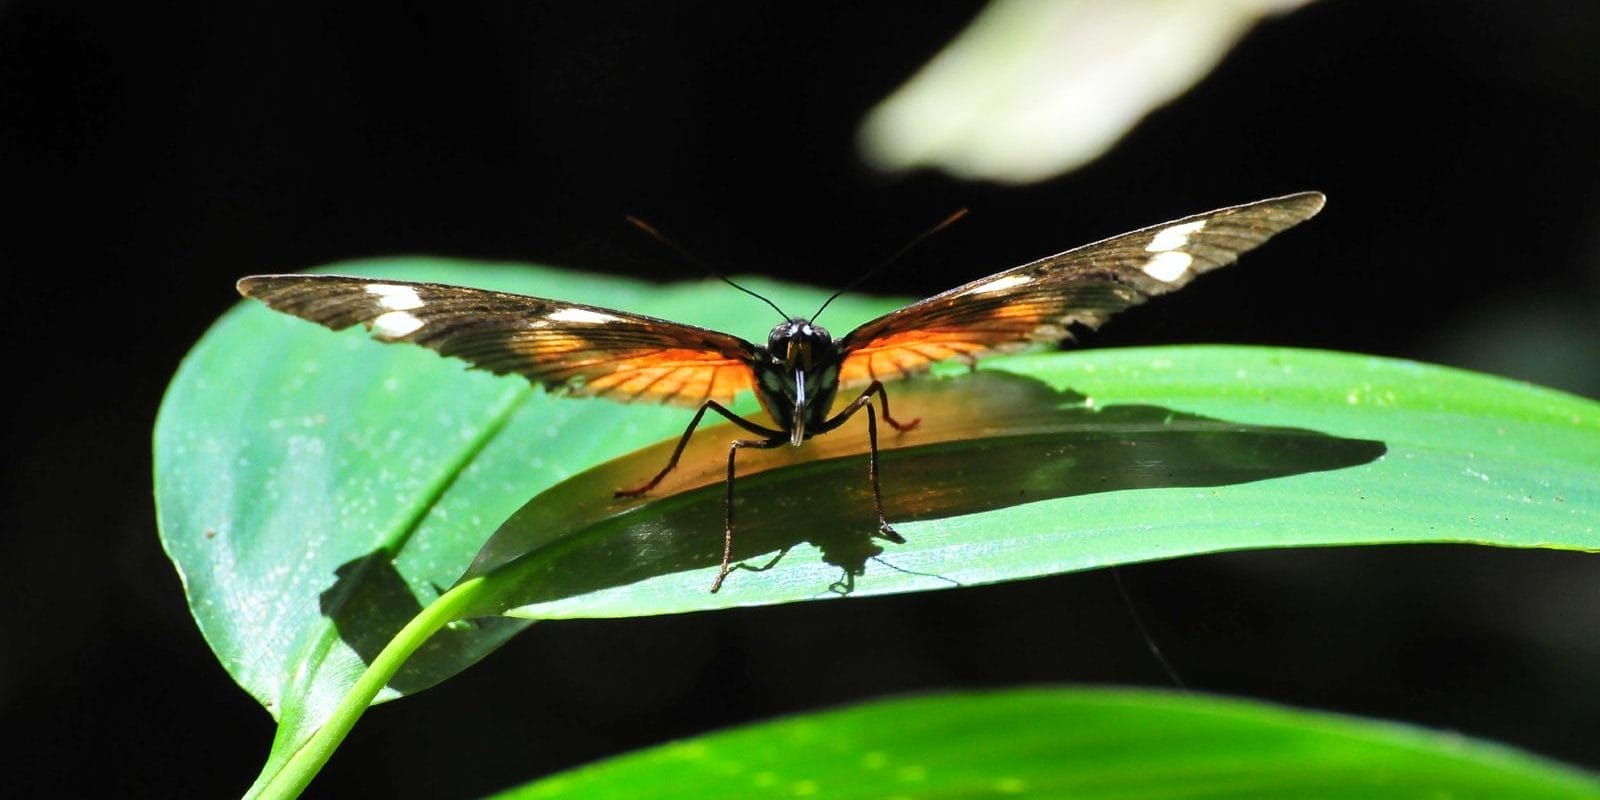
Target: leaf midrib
(409,525)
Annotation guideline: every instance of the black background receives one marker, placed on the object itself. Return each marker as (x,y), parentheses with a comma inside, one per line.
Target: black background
(152,153)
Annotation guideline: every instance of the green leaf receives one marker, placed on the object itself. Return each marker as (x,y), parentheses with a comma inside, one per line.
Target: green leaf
(315,490)
(1044,464)
(1078,743)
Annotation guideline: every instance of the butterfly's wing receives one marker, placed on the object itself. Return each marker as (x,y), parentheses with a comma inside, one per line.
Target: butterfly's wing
(579,349)
(1038,303)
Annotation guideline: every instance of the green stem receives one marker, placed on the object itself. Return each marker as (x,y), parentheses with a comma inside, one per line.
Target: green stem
(296,774)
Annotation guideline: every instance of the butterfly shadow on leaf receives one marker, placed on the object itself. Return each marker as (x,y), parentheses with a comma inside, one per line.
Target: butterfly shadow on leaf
(370,602)
(988,440)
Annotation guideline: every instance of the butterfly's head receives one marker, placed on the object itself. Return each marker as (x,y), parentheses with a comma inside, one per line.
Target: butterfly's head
(798,344)
(803,375)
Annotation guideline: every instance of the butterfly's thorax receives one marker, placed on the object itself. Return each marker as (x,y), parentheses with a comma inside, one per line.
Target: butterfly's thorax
(798,370)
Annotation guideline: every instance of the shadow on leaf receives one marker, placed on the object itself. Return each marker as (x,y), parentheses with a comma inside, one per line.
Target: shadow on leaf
(370,602)
(988,440)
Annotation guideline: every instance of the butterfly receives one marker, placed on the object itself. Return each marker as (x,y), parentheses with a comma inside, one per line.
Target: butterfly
(591,351)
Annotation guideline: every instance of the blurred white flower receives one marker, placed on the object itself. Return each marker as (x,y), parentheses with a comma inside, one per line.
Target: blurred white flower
(1034,88)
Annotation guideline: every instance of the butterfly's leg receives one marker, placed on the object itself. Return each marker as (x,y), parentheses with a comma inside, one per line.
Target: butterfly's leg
(684,441)
(865,401)
(884,529)
(727,538)
(876,387)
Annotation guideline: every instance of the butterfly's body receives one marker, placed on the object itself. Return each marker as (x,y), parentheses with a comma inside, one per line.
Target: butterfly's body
(588,350)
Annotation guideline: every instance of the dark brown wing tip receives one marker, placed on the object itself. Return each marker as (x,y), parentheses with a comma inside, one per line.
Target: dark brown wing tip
(253,285)
(1305,204)
(259,285)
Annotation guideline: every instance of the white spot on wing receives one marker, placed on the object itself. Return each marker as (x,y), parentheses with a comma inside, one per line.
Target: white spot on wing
(1174,237)
(1000,284)
(395,298)
(580,315)
(395,324)
(1168,266)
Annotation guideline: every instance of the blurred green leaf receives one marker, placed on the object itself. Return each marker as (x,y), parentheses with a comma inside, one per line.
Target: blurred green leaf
(1034,88)
(1079,743)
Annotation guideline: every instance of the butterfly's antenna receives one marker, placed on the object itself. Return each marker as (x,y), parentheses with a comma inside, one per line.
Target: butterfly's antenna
(688,256)
(947,222)
(912,572)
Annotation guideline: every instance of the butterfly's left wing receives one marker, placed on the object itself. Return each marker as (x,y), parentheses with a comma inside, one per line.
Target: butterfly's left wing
(578,349)
(1039,302)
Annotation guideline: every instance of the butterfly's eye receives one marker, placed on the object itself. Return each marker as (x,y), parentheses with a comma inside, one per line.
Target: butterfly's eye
(785,335)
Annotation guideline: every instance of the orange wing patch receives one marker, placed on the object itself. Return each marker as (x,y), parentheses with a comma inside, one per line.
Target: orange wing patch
(903,354)
(897,355)
(676,376)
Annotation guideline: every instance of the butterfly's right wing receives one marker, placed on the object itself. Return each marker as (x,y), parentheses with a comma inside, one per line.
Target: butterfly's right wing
(579,349)
(1040,302)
